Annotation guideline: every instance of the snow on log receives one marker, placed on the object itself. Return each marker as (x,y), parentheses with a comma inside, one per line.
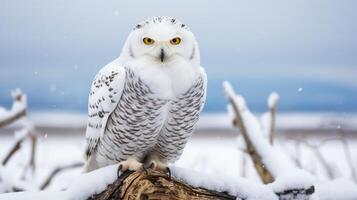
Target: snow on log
(104,183)
(273,166)
(17,110)
(241,188)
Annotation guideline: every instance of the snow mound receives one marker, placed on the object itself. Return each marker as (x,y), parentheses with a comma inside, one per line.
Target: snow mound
(85,185)
(92,183)
(242,188)
(341,189)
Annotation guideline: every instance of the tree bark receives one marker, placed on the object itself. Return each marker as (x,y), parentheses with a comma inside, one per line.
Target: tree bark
(155,185)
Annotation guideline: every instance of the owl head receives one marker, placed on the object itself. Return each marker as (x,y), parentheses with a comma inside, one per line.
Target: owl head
(161,41)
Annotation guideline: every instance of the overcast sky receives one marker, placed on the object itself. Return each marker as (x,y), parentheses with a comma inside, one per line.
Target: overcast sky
(61,42)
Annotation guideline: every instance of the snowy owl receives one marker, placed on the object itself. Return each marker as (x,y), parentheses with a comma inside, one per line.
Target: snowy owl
(144,105)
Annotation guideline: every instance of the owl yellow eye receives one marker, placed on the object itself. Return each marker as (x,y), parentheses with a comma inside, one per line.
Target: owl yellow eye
(175,41)
(148,41)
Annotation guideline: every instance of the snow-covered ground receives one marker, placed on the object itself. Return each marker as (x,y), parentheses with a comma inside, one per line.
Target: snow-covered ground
(216,152)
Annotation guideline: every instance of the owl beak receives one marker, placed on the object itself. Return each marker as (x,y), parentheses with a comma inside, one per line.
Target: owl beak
(162,55)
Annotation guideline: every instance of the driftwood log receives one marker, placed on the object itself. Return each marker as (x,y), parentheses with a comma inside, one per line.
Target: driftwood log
(155,185)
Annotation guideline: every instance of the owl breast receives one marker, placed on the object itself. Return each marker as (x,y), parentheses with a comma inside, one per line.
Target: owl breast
(144,122)
(133,127)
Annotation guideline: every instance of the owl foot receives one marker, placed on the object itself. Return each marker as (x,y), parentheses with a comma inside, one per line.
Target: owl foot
(157,165)
(129,164)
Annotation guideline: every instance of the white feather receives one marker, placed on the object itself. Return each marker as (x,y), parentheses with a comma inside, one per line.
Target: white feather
(110,101)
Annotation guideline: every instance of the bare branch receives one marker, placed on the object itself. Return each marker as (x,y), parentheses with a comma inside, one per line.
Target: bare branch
(272,104)
(57,170)
(264,155)
(12,118)
(263,172)
(319,155)
(13,150)
(348,156)
(32,165)
(315,149)
(32,135)
(298,154)
(17,111)
(321,158)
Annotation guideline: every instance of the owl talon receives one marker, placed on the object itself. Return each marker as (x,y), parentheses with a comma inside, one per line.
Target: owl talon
(119,170)
(168,171)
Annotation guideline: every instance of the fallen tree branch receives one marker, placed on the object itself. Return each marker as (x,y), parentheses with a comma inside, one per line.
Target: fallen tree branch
(155,185)
(287,181)
(263,172)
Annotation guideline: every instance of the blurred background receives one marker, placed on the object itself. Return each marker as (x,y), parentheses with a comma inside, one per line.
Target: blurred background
(304,50)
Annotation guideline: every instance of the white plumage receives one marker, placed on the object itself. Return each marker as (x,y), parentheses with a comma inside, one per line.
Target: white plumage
(144,105)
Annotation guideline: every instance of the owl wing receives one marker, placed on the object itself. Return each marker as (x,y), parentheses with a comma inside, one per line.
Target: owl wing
(105,93)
